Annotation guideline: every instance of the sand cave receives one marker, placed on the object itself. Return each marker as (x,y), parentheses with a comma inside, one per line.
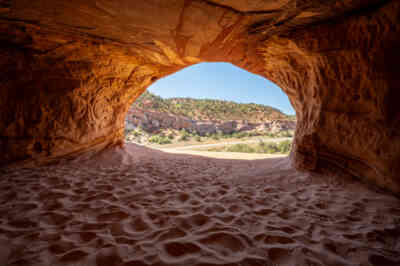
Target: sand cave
(73,194)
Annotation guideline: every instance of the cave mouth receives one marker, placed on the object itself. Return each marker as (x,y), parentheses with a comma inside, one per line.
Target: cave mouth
(71,69)
(215,110)
(71,76)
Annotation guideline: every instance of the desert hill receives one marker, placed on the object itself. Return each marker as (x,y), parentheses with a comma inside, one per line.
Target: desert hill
(152,119)
(209,109)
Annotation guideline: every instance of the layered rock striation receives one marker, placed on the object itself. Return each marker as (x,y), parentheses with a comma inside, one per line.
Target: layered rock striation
(152,121)
(71,69)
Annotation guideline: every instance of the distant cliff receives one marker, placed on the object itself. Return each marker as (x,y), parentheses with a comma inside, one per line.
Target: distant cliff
(203,116)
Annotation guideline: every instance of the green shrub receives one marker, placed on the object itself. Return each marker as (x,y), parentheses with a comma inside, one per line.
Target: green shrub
(285,146)
(271,147)
(240,148)
(226,136)
(288,134)
(198,138)
(215,136)
(240,135)
(185,136)
(261,147)
(154,139)
(159,140)
(253,134)
(272,135)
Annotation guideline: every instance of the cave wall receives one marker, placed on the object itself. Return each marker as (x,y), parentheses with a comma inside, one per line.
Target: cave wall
(343,80)
(70,70)
(71,76)
(57,102)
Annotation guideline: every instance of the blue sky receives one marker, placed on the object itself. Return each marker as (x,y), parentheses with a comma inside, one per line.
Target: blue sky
(222,81)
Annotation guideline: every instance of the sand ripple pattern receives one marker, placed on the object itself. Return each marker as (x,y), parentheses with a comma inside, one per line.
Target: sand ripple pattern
(165,209)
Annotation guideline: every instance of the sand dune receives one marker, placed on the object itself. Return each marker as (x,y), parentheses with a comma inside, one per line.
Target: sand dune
(137,206)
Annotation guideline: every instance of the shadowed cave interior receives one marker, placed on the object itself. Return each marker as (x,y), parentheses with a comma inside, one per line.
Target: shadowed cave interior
(72,194)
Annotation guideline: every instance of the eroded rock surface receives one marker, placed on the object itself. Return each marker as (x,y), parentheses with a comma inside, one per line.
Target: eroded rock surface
(152,121)
(344,84)
(70,70)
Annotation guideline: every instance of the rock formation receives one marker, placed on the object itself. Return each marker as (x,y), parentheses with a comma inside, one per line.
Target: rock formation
(71,69)
(152,121)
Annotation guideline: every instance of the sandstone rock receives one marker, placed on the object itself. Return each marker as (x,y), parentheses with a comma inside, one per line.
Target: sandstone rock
(204,128)
(153,121)
(227,127)
(276,126)
(245,126)
(70,70)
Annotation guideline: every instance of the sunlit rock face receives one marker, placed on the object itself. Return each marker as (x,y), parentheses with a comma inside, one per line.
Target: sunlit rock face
(343,82)
(70,70)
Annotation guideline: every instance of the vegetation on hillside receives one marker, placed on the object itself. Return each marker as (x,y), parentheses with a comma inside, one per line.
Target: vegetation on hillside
(262,147)
(207,109)
(214,110)
(174,136)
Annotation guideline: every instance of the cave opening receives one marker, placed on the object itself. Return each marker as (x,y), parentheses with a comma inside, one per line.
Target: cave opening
(70,71)
(216,110)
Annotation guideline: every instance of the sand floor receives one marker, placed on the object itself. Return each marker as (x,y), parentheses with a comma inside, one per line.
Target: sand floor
(137,206)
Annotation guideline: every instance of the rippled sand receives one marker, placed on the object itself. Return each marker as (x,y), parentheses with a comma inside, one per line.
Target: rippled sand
(137,206)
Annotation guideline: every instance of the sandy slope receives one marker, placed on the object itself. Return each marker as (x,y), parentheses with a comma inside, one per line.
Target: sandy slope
(137,206)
